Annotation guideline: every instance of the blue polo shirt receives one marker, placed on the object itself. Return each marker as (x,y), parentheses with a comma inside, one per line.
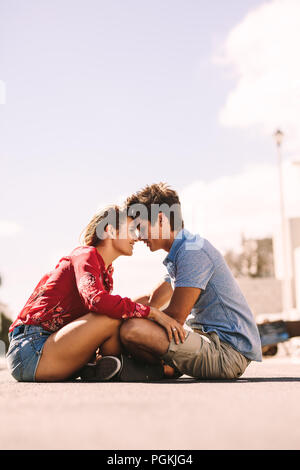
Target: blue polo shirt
(221,306)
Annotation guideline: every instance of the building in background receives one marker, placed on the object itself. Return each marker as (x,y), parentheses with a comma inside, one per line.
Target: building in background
(294,247)
(258,270)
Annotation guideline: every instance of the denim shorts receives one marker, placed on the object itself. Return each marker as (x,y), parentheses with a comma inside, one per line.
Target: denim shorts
(25,350)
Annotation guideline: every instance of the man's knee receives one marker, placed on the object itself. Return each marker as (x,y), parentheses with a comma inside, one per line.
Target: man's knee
(130,331)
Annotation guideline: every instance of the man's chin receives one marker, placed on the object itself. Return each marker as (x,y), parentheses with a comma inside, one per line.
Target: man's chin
(151,247)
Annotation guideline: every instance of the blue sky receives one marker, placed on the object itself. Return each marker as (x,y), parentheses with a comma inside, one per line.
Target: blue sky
(103,97)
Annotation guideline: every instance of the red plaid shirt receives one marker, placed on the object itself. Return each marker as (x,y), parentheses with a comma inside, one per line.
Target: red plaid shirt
(79,284)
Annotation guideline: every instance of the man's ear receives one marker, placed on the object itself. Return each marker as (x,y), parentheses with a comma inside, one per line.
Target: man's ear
(164,225)
(160,218)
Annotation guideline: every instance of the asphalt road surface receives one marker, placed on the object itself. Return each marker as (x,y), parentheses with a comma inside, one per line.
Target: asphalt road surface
(259,411)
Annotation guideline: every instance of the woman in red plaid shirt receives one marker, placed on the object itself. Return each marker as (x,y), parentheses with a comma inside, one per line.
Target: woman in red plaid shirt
(72,312)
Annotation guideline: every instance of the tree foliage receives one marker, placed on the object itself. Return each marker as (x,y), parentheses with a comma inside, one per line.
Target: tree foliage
(255,259)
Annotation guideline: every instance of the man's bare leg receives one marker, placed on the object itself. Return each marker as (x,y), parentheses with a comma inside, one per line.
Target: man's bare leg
(144,339)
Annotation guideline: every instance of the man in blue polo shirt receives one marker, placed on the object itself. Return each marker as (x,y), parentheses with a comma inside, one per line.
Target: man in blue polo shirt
(200,290)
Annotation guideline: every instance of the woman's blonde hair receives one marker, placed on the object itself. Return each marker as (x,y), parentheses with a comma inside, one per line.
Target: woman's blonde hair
(94,231)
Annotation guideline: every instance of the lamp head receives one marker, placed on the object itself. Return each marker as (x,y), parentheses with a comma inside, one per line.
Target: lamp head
(278,137)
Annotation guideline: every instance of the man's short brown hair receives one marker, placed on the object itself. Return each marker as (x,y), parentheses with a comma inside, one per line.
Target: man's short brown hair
(161,196)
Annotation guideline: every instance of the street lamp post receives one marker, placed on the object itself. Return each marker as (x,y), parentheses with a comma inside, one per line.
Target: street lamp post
(286,287)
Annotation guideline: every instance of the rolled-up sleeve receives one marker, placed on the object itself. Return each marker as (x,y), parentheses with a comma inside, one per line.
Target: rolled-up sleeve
(194,268)
(167,278)
(89,280)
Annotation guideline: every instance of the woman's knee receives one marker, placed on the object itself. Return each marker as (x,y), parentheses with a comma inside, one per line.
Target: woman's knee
(106,321)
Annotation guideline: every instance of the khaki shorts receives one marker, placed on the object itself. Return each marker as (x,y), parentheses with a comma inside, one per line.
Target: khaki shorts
(204,356)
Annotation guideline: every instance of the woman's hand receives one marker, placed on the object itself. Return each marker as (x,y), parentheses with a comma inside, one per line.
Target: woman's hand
(172,327)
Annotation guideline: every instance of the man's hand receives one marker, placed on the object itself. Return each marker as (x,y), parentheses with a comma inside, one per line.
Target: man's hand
(182,302)
(172,327)
(142,300)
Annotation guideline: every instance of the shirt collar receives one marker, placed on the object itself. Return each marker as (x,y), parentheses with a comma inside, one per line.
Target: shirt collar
(178,241)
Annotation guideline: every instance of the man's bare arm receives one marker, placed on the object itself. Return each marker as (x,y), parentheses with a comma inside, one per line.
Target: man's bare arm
(159,297)
(142,300)
(182,302)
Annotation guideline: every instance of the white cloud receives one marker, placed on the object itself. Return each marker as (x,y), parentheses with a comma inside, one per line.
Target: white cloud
(8,228)
(244,203)
(262,51)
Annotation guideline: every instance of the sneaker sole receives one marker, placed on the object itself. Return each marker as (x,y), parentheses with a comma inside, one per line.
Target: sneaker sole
(104,370)
(133,371)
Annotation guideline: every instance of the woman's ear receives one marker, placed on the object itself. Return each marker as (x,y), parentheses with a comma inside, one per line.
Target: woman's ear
(111,231)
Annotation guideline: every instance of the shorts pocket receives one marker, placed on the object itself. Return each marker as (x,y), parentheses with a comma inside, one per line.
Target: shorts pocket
(14,362)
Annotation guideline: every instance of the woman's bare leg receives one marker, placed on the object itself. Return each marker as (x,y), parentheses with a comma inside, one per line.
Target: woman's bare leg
(71,347)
